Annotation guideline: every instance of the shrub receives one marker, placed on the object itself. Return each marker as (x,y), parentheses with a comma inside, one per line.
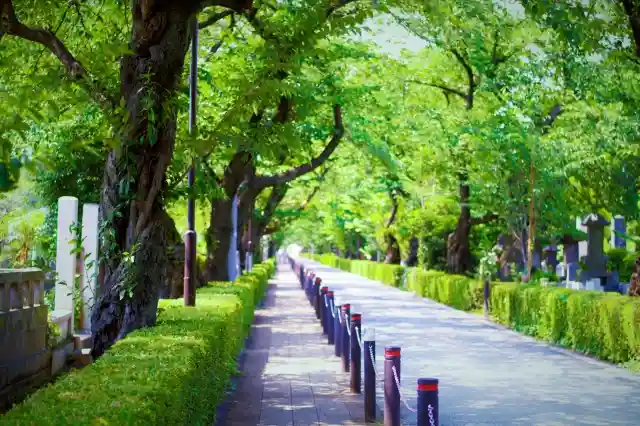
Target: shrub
(170,374)
(622,261)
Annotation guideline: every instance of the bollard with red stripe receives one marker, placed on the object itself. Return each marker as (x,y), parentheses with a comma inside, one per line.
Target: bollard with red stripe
(346,346)
(355,381)
(391,391)
(330,320)
(337,331)
(427,402)
(323,308)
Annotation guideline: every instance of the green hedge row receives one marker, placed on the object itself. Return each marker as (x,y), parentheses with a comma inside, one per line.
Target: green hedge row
(387,274)
(171,374)
(605,325)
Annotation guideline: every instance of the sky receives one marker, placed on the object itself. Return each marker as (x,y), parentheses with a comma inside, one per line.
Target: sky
(390,36)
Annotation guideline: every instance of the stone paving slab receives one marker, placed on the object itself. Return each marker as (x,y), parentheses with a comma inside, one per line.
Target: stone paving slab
(290,375)
(488,375)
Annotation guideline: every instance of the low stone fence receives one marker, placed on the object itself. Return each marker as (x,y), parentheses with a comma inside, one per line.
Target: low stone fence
(25,359)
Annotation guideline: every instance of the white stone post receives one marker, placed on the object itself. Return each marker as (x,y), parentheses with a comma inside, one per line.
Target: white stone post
(232,256)
(90,217)
(582,245)
(66,263)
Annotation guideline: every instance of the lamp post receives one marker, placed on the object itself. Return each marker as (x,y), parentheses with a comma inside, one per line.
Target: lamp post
(190,235)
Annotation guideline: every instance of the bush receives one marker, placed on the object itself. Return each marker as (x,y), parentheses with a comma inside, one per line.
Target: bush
(622,261)
(170,374)
(606,325)
(387,274)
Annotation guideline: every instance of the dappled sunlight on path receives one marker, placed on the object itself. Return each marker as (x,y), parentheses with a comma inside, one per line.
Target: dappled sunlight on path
(290,375)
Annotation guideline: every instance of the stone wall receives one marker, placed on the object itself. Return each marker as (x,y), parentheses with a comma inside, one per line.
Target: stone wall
(24,357)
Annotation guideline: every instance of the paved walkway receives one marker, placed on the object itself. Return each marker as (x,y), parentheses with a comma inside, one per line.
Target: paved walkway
(488,375)
(291,376)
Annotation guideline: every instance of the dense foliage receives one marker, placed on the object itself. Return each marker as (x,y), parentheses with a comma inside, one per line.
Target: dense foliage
(499,118)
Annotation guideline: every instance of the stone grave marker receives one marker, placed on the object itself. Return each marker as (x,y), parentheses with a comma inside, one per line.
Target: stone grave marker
(618,227)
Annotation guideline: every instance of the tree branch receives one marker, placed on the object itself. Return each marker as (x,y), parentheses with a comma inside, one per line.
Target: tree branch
(633,13)
(470,76)
(313,193)
(550,118)
(441,87)
(215,18)
(340,4)
(235,5)
(394,211)
(291,174)
(9,24)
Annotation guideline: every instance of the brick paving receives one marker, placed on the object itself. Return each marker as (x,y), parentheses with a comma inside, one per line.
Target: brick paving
(488,375)
(290,375)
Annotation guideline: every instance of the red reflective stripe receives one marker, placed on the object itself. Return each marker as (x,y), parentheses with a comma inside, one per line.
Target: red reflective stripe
(391,353)
(325,289)
(356,316)
(346,306)
(428,387)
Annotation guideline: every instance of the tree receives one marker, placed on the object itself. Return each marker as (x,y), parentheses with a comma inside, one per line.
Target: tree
(135,170)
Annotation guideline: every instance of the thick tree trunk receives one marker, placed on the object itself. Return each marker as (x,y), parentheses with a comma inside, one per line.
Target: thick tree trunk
(458,250)
(131,202)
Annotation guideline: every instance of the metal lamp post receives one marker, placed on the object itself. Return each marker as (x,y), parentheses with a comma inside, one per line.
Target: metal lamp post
(190,235)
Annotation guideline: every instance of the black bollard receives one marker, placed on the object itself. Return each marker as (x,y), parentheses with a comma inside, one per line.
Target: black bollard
(337,330)
(308,285)
(487,295)
(317,297)
(369,378)
(323,308)
(301,269)
(427,402)
(346,330)
(355,363)
(391,391)
(330,318)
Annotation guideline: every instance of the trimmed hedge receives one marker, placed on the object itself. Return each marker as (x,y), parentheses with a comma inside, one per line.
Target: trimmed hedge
(605,325)
(387,274)
(173,373)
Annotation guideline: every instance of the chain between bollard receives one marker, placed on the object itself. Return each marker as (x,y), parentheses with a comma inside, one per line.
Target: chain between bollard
(348,326)
(432,421)
(325,301)
(333,309)
(375,369)
(359,338)
(404,401)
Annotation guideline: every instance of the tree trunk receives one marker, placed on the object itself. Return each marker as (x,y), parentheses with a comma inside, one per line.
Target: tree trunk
(458,251)
(136,246)
(393,250)
(414,244)
(218,236)
(218,239)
